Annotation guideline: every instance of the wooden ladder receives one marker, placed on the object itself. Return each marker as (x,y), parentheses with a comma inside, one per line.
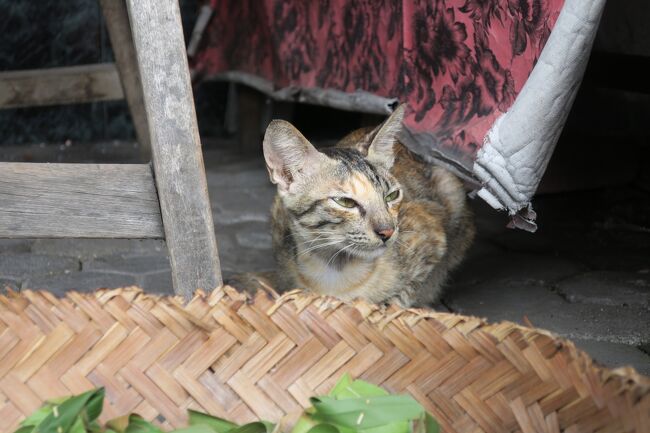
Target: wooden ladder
(165,199)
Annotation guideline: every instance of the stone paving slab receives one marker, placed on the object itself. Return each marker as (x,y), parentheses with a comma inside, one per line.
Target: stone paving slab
(515,267)
(614,354)
(79,281)
(20,265)
(521,301)
(608,288)
(157,282)
(134,265)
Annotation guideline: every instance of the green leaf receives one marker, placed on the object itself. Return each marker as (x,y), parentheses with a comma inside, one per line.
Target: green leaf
(304,424)
(218,425)
(323,428)
(394,427)
(139,425)
(426,424)
(26,429)
(94,406)
(343,383)
(119,424)
(78,426)
(365,413)
(38,416)
(255,427)
(431,424)
(64,416)
(347,388)
(94,427)
(200,428)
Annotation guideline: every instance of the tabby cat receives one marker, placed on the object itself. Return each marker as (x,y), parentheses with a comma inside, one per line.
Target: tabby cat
(366,218)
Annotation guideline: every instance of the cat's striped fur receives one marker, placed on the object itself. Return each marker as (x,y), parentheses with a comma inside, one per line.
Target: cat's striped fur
(386,247)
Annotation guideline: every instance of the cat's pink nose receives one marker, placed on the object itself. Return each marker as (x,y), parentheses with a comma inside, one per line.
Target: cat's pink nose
(385,233)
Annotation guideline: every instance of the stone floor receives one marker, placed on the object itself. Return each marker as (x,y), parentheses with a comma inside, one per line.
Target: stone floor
(584,275)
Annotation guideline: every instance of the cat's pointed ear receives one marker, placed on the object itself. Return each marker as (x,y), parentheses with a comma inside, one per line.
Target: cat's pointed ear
(381,146)
(288,154)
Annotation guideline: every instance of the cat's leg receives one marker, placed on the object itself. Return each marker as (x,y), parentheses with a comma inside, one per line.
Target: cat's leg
(252,282)
(421,247)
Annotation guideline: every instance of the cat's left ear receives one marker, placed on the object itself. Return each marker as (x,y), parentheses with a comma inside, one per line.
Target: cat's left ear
(289,156)
(380,149)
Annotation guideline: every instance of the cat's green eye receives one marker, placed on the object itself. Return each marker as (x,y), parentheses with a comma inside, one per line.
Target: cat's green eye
(345,202)
(392,196)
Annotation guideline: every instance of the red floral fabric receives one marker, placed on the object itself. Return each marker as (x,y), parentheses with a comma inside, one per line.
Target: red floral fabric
(459,64)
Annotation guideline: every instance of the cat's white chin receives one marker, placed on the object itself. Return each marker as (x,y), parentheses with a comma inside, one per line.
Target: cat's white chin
(369,254)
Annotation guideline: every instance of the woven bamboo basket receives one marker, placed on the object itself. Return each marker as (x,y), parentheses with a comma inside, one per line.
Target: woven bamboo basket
(246,358)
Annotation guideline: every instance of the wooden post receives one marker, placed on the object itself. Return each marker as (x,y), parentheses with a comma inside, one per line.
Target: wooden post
(119,32)
(175,144)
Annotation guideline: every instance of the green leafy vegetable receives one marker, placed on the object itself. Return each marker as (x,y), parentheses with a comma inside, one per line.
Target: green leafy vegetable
(138,425)
(355,406)
(363,413)
(217,425)
(201,428)
(323,428)
(347,388)
(73,415)
(352,406)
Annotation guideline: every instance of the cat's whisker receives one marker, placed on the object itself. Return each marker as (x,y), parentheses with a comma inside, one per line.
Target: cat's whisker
(407,247)
(327,239)
(318,232)
(321,237)
(319,246)
(337,253)
(328,235)
(317,238)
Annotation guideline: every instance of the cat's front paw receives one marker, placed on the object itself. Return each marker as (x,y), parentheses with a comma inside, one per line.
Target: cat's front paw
(251,283)
(402,300)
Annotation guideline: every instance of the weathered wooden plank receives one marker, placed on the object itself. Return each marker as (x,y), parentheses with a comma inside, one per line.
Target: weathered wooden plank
(69,85)
(175,144)
(78,200)
(119,32)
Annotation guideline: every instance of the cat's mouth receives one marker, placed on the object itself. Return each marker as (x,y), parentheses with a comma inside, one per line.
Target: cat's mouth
(368,252)
(349,249)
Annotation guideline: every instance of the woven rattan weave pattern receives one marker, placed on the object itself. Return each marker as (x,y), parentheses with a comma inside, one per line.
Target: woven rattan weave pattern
(243,359)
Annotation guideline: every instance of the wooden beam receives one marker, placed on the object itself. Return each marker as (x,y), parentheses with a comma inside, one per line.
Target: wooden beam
(119,32)
(70,85)
(78,201)
(175,144)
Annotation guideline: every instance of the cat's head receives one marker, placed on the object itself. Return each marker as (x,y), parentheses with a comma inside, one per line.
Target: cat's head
(343,201)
